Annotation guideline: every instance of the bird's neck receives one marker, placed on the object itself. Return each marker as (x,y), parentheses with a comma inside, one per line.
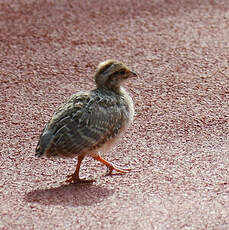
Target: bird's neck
(117,89)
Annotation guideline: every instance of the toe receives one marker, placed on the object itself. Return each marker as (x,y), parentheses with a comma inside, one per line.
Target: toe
(118,170)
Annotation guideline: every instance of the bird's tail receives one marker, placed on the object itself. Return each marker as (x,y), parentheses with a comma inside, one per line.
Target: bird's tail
(44,143)
(39,150)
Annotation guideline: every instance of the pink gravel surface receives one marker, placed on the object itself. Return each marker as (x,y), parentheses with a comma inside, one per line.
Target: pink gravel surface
(178,145)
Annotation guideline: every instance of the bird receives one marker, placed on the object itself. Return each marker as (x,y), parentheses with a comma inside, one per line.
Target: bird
(90,122)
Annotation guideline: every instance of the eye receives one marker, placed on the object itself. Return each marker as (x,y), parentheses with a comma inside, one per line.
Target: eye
(122,72)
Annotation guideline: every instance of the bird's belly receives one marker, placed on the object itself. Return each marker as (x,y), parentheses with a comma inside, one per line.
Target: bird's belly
(110,142)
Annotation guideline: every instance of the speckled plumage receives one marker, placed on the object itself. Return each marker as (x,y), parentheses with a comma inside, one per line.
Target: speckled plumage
(90,122)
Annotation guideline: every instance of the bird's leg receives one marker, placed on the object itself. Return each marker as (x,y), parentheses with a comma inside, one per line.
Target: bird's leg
(110,167)
(74,178)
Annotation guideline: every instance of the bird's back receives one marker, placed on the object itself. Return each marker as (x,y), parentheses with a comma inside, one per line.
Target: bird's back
(85,122)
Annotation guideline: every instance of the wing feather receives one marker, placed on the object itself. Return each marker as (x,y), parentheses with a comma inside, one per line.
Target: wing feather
(85,121)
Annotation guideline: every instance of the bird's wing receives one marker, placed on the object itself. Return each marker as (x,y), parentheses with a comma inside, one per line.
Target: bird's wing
(85,122)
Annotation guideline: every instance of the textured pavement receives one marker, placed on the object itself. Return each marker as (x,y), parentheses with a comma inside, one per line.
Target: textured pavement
(178,145)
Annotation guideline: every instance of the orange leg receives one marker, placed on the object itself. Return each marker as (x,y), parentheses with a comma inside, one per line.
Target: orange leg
(110,167)
(74,178)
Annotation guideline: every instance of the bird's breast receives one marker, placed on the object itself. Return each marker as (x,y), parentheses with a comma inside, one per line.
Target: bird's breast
(129,105)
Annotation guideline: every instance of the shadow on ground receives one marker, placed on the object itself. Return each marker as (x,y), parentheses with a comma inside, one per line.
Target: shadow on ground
(70,195)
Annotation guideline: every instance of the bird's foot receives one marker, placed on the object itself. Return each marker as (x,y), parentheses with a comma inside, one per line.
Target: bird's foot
(76,180)
(112,168)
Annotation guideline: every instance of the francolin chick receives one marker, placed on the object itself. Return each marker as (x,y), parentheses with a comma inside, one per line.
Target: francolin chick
(90,122)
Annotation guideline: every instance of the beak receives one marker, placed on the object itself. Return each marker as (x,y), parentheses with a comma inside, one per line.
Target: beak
(134,74)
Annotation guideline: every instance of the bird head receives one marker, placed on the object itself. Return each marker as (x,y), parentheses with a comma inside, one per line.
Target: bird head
(111,74)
